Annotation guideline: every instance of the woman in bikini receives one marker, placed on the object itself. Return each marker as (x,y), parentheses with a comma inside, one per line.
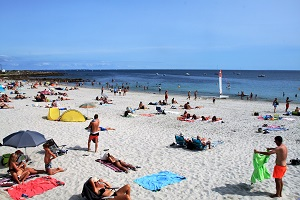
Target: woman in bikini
(19,174)
(104,189)
(119,163)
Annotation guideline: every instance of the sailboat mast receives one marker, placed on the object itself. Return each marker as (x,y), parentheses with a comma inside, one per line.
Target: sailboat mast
(220,82)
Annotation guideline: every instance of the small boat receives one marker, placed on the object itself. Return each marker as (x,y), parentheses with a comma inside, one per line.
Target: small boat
(187,74)
(261,75)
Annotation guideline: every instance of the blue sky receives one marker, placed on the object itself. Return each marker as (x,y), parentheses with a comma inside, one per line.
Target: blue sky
(135,34)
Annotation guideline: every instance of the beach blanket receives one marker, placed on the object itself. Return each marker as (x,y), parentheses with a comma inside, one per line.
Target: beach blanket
(260,171)
(275,128)
(109,165)
(147,115)
(33,187)
(216,143)
(155,182)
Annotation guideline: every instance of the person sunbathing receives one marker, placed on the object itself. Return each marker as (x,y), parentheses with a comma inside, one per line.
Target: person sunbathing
(205,118)
(106,128)
(189,142)
(118,163)
(20,96)
(297,109)
(174,101)
(103,189)
(204,141)
(183,117)
(64,98)
(23,165)
(5,106)
(18,172)
(215,119)
(142,106)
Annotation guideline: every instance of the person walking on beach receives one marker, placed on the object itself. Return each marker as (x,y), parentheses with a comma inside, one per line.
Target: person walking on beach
(195,94)
(189,95)
(102,90)
(49,156)
(287,104)
(94,132)
(275,104)
(280,166)
(214,100)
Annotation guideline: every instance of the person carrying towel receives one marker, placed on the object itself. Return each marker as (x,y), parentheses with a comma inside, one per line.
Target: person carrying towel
(280,167)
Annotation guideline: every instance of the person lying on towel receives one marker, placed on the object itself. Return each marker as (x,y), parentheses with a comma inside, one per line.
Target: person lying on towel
(118,163)
(103,188)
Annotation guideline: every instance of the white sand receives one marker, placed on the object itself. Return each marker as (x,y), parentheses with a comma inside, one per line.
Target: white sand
(221,173)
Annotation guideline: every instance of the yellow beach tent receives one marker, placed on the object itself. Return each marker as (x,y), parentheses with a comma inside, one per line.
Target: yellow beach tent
(72,116)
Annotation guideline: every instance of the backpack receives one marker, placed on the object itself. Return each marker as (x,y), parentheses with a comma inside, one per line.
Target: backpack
(5,159)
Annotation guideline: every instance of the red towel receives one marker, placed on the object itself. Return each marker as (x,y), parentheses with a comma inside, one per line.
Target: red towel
(33,187)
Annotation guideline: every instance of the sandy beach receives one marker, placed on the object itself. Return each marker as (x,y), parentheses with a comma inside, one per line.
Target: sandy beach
(222,172)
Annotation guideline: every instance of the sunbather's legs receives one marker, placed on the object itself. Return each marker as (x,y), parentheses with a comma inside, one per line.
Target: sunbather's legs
(123,193)
(127,165)
(15,177)
(53,171)
(24,175)
(119,165)
(34,171)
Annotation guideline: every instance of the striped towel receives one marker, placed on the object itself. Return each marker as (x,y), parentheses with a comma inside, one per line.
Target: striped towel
(109,165)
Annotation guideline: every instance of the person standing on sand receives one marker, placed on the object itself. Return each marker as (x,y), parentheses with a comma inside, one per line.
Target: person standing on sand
(94,132)
(275,104)
(49,156)
(280,167)
(166,96)
(195,94)
(189,95)
(287,104)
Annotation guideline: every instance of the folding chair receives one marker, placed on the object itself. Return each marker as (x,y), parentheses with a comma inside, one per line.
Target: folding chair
(159,110)
(54,148)
(88,193)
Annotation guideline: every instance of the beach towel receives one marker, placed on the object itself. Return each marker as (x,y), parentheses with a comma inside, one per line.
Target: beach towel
(109,165)
(147,115)
(216,143)
(275,128)
(155,182)
(260,171)
(33,187)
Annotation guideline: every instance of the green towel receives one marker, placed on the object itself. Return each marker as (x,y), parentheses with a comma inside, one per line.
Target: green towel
(260,171)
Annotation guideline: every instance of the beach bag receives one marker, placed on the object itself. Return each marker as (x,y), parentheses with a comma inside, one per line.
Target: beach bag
(256,114)
(5,159)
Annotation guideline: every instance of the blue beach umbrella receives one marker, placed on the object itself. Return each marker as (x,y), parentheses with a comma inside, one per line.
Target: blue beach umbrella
(23,139)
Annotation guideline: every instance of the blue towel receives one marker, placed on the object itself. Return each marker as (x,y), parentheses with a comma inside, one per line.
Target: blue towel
(155,182)
(216,143)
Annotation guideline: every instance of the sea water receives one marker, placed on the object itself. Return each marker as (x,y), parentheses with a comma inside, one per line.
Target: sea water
(279,84)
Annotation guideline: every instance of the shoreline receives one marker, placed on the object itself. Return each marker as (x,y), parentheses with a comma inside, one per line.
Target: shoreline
(220,173)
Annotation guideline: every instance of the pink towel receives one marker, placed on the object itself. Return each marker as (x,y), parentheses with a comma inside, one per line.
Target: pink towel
(109,165)
(33,187)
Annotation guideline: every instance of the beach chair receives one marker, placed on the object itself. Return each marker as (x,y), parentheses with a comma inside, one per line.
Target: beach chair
(54,148)
(198,145)
(180,140)
(89,194)
(159,110)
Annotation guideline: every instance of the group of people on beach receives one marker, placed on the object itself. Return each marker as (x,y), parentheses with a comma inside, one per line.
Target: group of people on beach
(20,171)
